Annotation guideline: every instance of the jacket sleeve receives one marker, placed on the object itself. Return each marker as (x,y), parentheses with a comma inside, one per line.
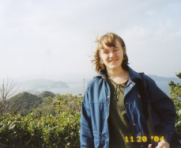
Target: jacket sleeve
(86,136)
(164,108)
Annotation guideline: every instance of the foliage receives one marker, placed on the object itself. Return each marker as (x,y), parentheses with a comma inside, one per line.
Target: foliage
(24,102)
(60,103)
(38,130)
(46,94)
(175,95)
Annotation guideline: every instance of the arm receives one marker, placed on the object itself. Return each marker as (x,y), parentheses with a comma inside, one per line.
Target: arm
(86,136)
(164,108)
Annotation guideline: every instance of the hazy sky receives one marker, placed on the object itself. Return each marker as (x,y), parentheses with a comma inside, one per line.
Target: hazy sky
(55,39)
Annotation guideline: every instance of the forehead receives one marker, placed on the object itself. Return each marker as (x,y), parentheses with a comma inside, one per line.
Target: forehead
(113,46)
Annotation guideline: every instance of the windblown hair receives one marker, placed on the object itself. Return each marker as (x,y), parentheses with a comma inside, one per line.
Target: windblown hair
(109,40)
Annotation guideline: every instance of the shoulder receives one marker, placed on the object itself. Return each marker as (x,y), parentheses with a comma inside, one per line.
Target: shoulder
(148,81)
(91,82)
(142,76)
(94,83)
(95,87)
(152,88)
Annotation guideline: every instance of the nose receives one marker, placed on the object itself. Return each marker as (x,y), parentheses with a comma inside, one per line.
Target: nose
(111,54)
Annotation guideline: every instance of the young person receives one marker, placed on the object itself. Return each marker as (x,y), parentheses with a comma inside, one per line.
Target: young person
(112,113)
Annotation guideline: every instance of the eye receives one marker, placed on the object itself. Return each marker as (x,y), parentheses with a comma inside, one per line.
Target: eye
(116,50)
(105,52)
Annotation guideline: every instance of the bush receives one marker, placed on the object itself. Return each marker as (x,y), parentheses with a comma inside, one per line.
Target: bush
(175,95)
(60,130)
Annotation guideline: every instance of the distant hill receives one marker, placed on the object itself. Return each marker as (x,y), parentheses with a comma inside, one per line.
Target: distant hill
(34,92)
(158,78)
(43,84)
(163,82)
(46,94)
(23,102)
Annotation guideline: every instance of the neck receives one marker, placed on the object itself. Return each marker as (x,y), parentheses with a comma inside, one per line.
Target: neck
(118,75)
(116,72)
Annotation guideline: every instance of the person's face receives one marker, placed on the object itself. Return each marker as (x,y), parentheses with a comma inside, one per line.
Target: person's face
(112,57)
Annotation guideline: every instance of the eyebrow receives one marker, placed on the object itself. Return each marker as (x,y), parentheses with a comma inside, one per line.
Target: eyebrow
(107,49)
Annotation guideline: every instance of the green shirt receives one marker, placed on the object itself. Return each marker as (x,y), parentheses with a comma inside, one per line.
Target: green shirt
(119,125)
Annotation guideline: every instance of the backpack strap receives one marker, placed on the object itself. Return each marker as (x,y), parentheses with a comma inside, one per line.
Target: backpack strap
(143,95)
(146,108)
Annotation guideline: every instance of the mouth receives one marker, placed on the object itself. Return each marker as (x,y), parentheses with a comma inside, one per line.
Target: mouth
(112,61)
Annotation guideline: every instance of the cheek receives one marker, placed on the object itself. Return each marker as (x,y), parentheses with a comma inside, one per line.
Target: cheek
(103,59)
(121,56)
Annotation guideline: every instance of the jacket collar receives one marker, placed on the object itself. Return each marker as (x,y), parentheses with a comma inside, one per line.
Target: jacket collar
(132,74)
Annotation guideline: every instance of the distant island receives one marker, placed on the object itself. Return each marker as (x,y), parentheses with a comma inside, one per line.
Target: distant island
(36,86)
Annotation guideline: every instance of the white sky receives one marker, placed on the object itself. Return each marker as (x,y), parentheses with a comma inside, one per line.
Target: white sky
(55,39)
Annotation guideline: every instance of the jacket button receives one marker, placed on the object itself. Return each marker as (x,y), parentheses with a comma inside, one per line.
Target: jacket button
(107,96)
(126,103)
(139,96)
(134,124)
(107,140)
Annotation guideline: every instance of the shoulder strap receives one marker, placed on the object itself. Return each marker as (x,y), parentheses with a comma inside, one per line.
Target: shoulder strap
(146,108)
(143,95)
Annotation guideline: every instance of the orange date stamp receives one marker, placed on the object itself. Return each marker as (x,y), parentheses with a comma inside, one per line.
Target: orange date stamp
(143,138)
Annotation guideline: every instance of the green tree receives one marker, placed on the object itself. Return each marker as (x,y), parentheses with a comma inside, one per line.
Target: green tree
(175,95)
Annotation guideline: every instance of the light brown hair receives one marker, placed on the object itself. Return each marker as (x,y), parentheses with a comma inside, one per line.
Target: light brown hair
(109,40)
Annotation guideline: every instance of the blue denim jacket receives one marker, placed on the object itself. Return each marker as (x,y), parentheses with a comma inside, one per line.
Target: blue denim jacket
(94,130)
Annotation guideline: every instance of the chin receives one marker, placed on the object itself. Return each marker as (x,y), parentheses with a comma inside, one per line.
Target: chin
(113,67)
